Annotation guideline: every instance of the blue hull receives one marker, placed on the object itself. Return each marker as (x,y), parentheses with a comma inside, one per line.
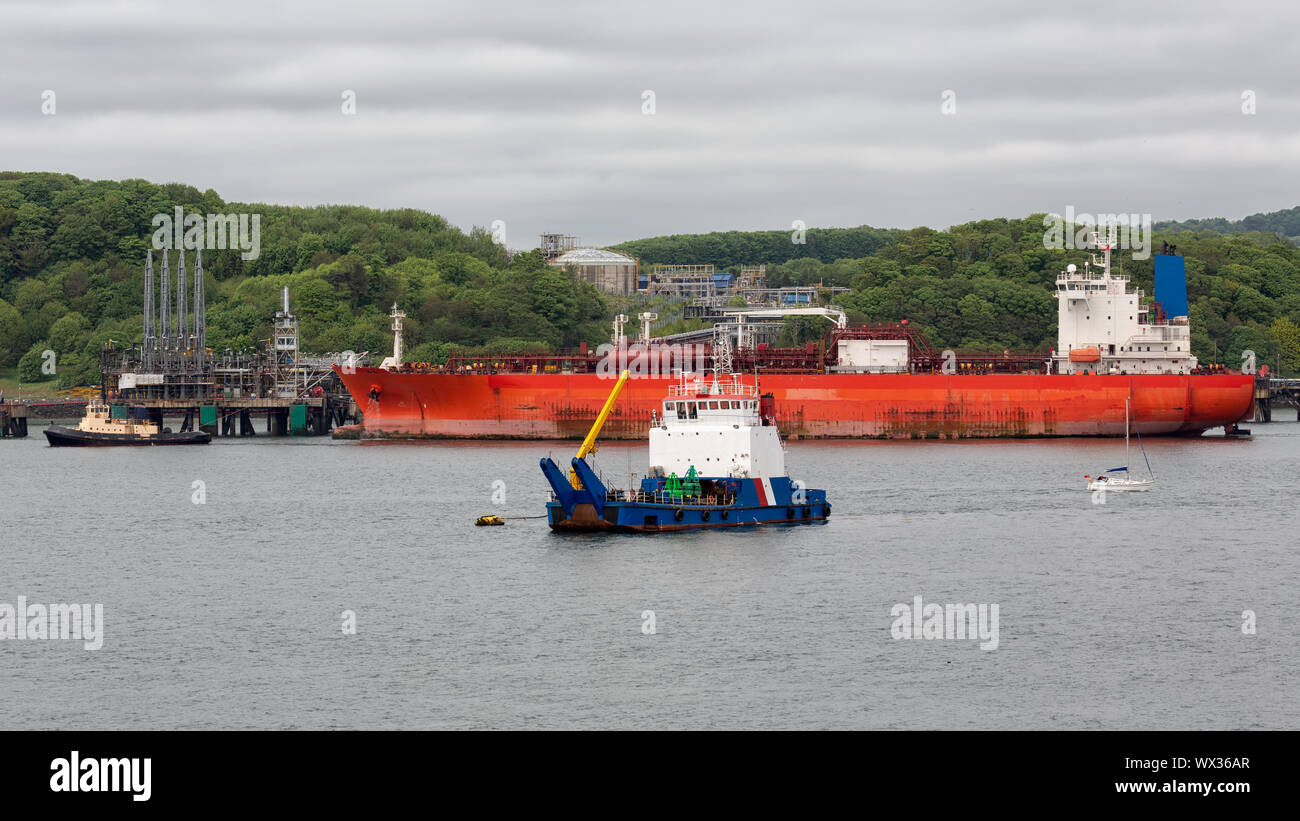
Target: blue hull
(639,517)
(657,507)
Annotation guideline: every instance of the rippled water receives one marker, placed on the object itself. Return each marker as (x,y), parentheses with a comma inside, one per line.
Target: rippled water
(228,614)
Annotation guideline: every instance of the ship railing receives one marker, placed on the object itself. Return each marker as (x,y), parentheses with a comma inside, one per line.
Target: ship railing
(1161,333)
(705,388)
(660,497)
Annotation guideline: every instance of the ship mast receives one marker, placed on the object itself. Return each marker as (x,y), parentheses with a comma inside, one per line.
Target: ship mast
(1103,259)
(722,360)
(397,317)
(395,361)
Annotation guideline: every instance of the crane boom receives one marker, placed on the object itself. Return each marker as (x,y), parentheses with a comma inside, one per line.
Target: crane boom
(589,444)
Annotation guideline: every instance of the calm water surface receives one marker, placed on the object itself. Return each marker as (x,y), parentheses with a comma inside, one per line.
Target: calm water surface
(228,614)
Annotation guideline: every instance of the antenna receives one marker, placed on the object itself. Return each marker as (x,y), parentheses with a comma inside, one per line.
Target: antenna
(619,321)
(646,318)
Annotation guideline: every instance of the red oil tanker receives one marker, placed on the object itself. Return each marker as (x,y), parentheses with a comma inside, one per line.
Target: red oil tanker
(881,381)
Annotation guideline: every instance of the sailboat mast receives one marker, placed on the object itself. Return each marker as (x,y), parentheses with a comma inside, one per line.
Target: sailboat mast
(1126,474)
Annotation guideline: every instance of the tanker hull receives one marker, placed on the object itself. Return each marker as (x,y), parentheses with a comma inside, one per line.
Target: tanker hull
(808,406)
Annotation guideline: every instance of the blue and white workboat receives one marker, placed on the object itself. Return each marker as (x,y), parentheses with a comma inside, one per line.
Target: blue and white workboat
(716,460)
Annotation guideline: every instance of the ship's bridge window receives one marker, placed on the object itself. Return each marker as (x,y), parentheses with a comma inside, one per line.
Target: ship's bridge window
(681,410)
(690,410)
(735,406)
(713,406)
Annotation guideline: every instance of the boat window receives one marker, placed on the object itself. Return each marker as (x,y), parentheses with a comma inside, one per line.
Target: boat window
(713,406)
(681,410)
(735,406)
(690,409)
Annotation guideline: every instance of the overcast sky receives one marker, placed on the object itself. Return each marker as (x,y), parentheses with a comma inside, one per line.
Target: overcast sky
(765,113)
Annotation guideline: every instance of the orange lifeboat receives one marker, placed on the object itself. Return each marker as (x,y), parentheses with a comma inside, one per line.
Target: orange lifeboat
(1085,355)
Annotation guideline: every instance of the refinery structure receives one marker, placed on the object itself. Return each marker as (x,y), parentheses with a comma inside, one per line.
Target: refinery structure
(704,289)
(173,373)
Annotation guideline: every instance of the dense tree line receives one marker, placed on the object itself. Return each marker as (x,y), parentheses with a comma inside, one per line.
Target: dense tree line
(1283,223)
(729,249)
(72,258)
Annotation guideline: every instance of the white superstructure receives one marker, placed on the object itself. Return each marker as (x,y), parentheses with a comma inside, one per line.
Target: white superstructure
(98,419)
(1101,325)
(715,424)
(395,361)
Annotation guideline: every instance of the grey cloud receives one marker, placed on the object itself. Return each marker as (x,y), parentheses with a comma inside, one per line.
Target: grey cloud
(767,112)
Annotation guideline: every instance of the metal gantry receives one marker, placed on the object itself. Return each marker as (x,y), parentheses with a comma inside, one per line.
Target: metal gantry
(164,316)
(200,314)
(150,352)
(175,335)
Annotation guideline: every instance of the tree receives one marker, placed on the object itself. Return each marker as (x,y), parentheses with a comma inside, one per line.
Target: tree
(29,365)
(309,245)
(1287,335)
(348,275)
(78,237)
(70,333)
(315,298)
(1249,338)
(977,317)
(13,332)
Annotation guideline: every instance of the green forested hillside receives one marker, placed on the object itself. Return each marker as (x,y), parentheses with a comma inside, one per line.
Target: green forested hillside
(72,268)
(72,258)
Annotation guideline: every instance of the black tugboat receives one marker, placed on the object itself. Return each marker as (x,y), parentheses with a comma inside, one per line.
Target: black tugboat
(98,429)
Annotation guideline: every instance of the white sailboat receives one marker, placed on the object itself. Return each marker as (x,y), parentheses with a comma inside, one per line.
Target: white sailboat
(1110,480)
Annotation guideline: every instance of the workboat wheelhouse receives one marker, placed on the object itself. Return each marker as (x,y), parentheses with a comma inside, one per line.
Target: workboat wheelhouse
(715,460)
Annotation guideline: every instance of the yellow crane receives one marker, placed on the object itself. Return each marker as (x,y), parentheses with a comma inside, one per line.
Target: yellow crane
(589,444)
